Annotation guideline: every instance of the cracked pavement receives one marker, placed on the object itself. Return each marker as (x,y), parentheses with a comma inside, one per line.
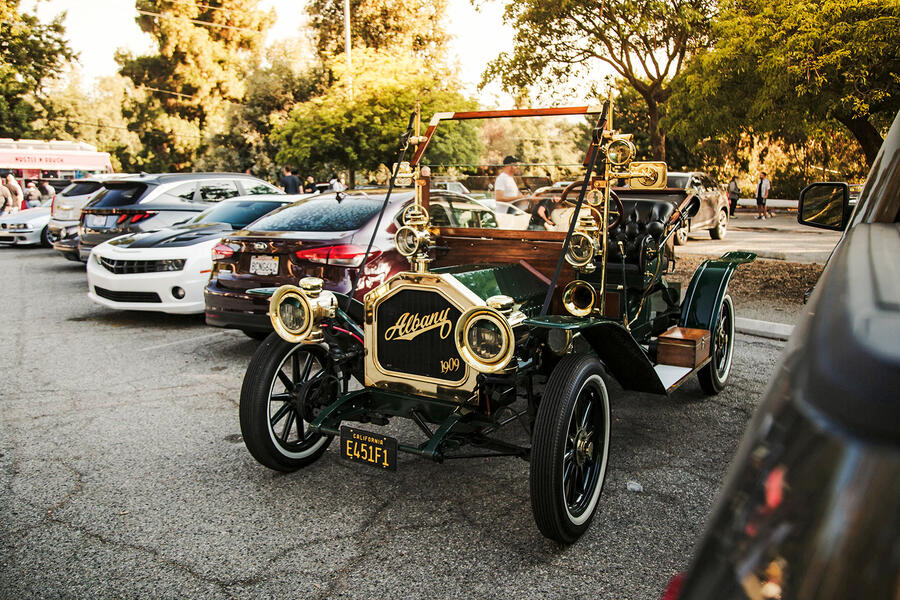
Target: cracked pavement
(123,474)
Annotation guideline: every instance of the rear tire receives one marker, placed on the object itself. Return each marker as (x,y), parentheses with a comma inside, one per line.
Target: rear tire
(718,232)
(272,429)
(570,447)
(714,375)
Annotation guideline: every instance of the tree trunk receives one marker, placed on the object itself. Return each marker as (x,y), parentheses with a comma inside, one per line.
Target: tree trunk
(657,136)
(352,179)
(867,136)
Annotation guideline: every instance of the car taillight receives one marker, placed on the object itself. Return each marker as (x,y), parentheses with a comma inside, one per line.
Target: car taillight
(222,251)
(344,255)
(673,589)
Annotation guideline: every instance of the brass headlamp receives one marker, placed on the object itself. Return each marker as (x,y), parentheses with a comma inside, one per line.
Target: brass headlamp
(295,312)
(413,239)
(484,334)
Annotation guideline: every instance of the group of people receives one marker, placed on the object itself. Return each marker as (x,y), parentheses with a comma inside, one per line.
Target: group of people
(763,187)
(13,197)
(290,183)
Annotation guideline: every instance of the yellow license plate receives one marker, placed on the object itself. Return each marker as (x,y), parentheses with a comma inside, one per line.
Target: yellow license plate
(379,451)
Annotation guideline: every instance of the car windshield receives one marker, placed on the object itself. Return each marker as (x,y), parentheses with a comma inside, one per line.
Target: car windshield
(676,180)
(322,214)
(238,213)
(81,188)
(119,194)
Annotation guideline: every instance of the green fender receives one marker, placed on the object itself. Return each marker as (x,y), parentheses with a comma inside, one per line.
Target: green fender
(708,286)
(615,347)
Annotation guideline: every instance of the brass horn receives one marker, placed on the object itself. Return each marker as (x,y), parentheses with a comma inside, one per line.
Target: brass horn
(579,298)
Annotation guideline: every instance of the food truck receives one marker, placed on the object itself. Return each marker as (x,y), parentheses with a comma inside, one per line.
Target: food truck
(56,161)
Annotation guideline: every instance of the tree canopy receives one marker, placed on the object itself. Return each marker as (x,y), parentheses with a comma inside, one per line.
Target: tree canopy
(790,66)
(645,42)
(203,51)
(32,54)
(380,24)
(331,131)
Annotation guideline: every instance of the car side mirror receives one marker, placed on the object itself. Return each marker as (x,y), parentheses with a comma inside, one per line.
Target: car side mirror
(825,205)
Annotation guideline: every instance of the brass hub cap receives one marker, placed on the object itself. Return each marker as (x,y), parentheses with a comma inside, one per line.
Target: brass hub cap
(584,447)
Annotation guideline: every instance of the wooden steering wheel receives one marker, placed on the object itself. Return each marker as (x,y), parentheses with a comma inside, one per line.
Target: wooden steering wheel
(615,212)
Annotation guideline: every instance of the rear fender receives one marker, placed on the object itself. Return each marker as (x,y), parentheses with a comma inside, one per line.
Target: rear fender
(708,287)
(615,347)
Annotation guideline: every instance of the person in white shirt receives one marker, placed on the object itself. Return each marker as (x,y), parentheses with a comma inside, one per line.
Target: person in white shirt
(505,188)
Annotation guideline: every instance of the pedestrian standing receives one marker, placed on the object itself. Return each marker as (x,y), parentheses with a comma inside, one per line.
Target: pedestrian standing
(290,183)
(336,184)
(32,195)
(505,188)
(6,199)
(310,186)
(762,194)
(734,192)
(16,190)
(47,191)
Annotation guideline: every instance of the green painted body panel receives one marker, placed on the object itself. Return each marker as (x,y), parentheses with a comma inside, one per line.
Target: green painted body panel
(708,286)
(514,281)
(263,291)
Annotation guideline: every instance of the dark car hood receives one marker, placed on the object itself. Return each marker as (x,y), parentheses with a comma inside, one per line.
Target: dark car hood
(174,237)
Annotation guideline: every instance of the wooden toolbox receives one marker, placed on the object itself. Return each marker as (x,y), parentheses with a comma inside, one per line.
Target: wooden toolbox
(683,347)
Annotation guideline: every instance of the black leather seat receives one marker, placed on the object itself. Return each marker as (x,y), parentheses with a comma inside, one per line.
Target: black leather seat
(644,223)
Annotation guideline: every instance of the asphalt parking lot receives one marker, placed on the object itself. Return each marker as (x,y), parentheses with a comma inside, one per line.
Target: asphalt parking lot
(123,474)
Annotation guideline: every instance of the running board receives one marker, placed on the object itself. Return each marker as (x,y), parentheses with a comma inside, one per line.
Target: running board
(671,376)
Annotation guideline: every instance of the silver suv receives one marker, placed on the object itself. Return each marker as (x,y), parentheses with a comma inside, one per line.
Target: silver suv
(145,202)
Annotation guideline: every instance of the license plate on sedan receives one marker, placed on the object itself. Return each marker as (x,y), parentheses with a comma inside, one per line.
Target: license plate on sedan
(97,221)
(264,265)
(379,451)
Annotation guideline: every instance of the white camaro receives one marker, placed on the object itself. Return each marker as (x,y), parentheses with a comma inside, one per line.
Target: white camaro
(166,270)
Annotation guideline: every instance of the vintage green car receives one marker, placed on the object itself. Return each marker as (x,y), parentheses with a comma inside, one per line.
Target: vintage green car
(477,335)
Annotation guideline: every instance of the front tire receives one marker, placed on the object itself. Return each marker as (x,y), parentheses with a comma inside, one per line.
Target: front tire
(279,375)
(570,448)
(718,232)
(47,238)
(714,375)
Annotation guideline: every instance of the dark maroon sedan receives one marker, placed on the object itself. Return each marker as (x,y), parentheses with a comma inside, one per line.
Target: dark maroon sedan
(325,236)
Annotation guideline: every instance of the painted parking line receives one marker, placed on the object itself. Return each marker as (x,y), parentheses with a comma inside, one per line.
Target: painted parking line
(184,341)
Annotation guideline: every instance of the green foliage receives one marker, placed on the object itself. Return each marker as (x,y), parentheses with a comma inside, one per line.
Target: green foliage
(32,54)
(246,138)
(332,131)
(182,91)
(380,24)
(94,117)
(790,66)
(645,42)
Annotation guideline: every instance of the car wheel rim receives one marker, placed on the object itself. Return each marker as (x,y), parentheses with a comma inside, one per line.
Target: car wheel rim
(682,235)
(723,222)
(724,339)
(286,426)
(585,454)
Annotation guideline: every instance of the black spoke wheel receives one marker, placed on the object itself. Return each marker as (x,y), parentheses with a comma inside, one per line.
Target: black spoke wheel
(570,448)
(714,375)
(283,385)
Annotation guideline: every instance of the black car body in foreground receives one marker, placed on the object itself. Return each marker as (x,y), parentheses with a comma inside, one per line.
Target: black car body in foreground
(811,506)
